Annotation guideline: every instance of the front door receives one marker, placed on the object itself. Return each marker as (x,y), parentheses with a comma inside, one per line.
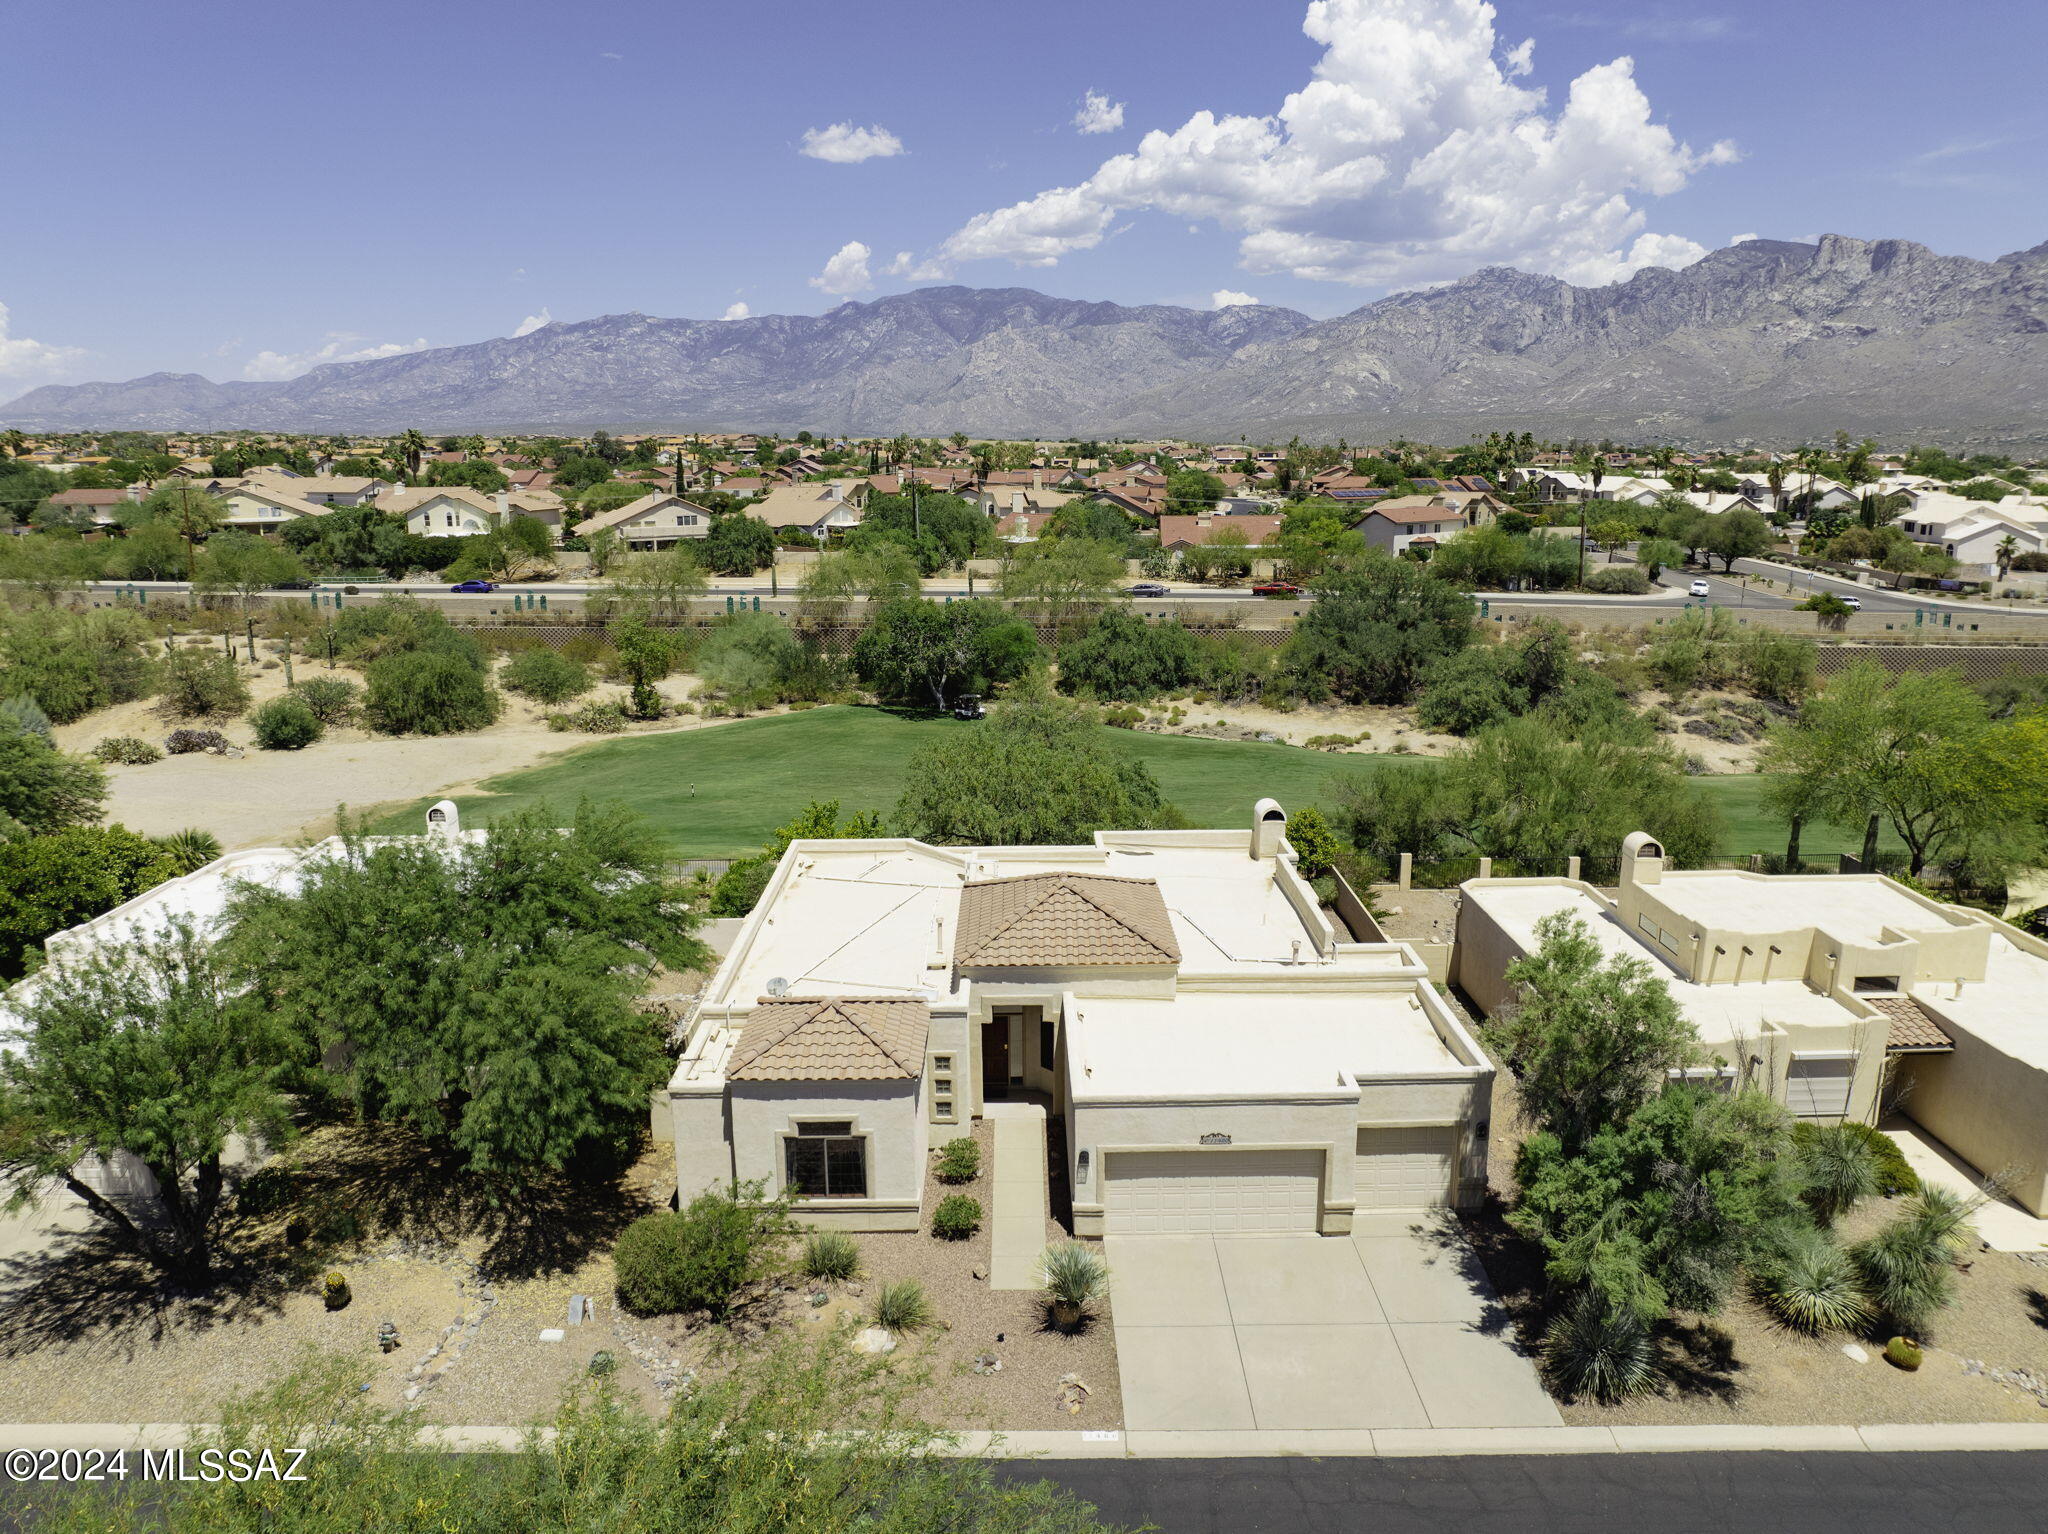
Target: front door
(995,1057)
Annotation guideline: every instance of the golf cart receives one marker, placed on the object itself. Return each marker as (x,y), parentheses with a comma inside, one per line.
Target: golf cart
(968,706)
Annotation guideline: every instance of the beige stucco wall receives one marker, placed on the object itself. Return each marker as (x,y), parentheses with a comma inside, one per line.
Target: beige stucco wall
(1986,1105)
(890,1114)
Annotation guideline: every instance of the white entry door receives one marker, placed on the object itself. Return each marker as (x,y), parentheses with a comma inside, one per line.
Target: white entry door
(1817,1086)
(1407,1168)
(1219,1192)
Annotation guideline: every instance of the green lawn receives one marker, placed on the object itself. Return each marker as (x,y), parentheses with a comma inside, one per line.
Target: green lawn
(717,793)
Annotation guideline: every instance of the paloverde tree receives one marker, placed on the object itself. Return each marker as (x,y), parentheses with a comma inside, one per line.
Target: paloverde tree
(1039,770)
(244,564)
(929,653)
(1376,626)
(483,993)
(150,1048)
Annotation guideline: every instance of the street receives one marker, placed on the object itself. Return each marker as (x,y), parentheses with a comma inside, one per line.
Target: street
(1727,1493)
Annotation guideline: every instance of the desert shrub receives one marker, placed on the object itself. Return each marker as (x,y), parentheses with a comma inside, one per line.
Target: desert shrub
(27,713)
(128,750)
(1777,666)
(546,676)
(428,692)
(189,849)
(959,1161)
(1315,844)
(285,724)
(200,684)
(601,718)
(701,1257)
(956,1218)
(903,1306)
(1837,1167)
(183,742)
(1618,580)
(830,1254)
(1599,1350)
(1908,1266)
(332,700)
(1813,1284)
(1073,1275)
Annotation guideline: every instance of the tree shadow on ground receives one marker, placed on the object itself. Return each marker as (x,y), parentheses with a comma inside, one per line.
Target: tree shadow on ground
(338,1191)
(1699,1360)
(2037,1306)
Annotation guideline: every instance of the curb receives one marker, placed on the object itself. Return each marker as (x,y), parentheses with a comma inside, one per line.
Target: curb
(1378,1443)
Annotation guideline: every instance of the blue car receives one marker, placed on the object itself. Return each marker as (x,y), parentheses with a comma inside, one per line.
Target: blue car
(477,587)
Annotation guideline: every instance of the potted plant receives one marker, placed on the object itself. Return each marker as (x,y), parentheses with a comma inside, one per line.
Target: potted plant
(1073,1277)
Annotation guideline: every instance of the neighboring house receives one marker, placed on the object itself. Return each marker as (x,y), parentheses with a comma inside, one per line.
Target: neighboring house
(1829,494)
(1426,520)
(1971,531)
(1021,526)
(1810,985)
(100,505)
(448,511)
(1220,1056)
(817,508)
(1177,533)
(531,479)
(740,484)
(1009,500)
(264,505)
(326,490)
(656,521)
(1571,485)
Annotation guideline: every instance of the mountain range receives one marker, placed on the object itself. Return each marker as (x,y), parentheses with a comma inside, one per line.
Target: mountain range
(1765,342)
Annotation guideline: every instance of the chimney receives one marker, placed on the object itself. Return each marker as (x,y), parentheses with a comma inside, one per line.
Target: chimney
(1269,829)
(1017,502)
(1642,859)
(444,820)
(1037,479)
(504,500)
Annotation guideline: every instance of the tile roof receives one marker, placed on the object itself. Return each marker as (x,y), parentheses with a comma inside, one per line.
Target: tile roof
(1058,919)
(1912,1030)
(833,1038)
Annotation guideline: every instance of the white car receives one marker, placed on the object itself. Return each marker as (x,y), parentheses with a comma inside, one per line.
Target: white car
(1855,602)
(1701,589)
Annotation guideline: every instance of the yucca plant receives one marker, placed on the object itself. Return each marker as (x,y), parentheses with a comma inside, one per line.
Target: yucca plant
(903,1306)
(1814,1285)
(1600,1350)
(1836,1166)
(831,1254)
(1909,1267)
(190,849)
(1073,1277)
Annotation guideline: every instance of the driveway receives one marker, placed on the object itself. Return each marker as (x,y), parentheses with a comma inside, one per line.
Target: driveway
(1393,1326)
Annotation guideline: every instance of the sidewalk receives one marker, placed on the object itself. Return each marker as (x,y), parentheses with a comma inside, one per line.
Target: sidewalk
(1017,1222)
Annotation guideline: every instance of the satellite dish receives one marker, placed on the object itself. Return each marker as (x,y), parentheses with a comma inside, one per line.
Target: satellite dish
(778,986)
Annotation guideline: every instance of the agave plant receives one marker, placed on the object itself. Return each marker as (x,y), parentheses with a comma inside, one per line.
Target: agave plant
(1909,1266)
(1813,1284)
(190,849)
(1600,1350)
(1073,1277)
(1836,1165)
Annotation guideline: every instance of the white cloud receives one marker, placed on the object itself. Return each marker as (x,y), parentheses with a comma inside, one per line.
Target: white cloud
(736,310)
(847,271)
(1099,114)
(270,367)
(1743,239)
(1229,298)
(844,144)
(20,357)
(1410,157)
(534,322)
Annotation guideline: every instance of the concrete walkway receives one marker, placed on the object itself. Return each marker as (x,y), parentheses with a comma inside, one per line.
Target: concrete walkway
(1391,1328)
(2004,1225)
(1017,1223)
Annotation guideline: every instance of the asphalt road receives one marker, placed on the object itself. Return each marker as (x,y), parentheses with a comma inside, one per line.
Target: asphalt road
(1778,1493)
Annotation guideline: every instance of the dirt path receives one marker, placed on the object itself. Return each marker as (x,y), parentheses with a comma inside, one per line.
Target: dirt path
(270,798)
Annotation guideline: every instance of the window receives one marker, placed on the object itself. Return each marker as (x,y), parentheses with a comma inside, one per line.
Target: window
(1045,1043)
(826,1161)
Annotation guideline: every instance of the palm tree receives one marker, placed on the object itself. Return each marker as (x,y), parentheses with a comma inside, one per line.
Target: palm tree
(2008,550)
(412,449)
(15,442)
(1776,475)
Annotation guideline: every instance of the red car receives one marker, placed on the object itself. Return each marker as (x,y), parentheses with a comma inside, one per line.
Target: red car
(1277,589)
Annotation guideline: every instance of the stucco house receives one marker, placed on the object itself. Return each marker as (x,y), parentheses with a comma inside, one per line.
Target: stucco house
(1219,1055)
(325,489)
(1425,520)
(656,521)
(815,507)
(450,511)
(1842,995)
(264,505)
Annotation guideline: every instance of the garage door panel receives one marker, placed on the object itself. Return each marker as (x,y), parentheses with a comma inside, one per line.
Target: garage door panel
(1407,1168)
(1191,1193)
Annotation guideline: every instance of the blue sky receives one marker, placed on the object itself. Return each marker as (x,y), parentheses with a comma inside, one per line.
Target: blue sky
(245,189)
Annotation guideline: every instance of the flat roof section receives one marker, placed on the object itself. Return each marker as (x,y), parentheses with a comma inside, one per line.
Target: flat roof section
(1723,1014)
(1237,1044)
(1848,907)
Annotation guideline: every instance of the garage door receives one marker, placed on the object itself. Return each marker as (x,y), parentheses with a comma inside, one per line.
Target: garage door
(1818,1088)
(1406,1168)
(1200,1193)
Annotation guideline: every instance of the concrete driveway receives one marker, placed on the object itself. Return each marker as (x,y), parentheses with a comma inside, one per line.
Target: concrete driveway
(1394,1326)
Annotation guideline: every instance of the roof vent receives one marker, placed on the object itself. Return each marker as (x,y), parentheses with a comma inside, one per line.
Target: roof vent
(778,986)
